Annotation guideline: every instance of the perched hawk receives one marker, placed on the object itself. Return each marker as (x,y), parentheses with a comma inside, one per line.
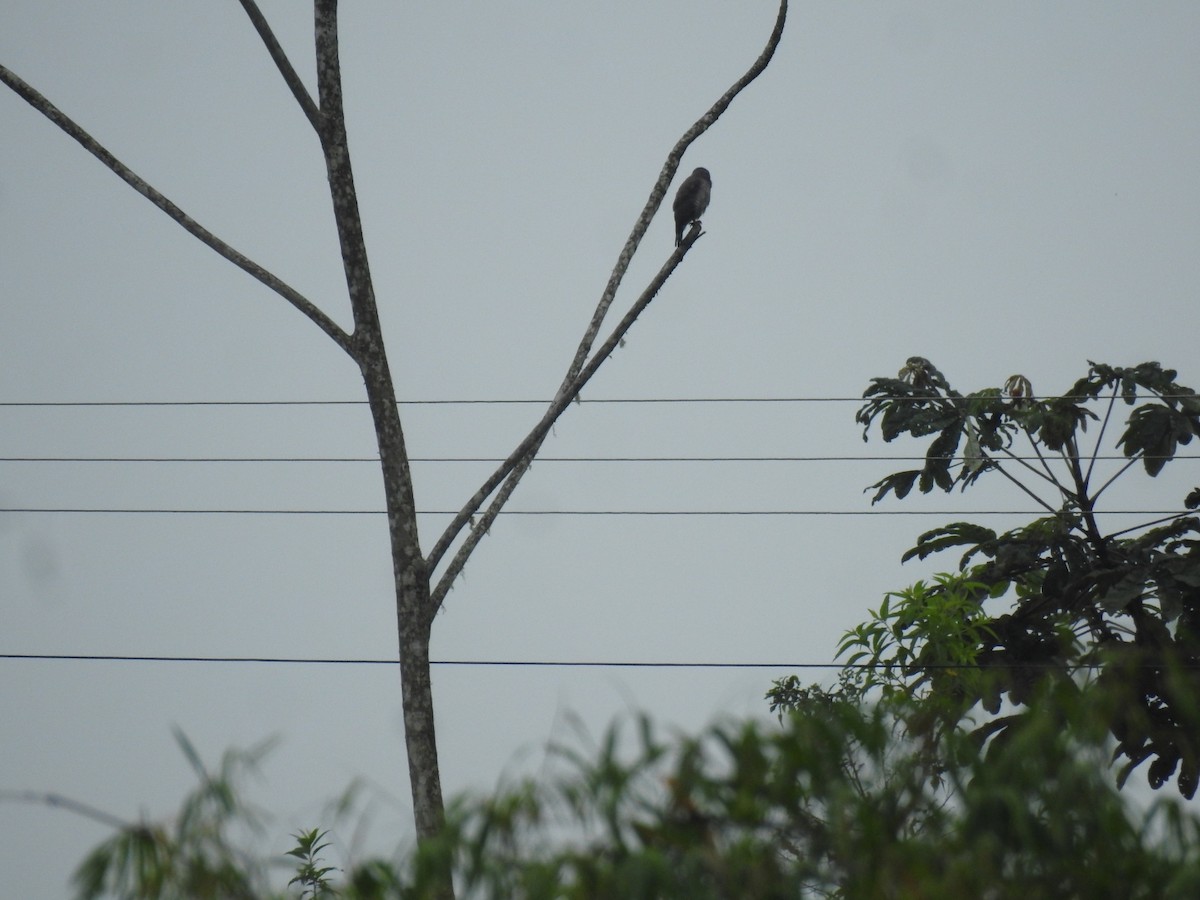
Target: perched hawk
(691,201)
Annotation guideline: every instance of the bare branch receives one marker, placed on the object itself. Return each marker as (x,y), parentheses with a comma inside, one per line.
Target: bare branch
(190,225)
(571,383)
(1132,528)
(659,192)
(299,91)
(1036,499)
(518,461)
(336,147)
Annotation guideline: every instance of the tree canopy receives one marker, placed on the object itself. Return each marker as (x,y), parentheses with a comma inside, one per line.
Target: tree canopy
(1089,604)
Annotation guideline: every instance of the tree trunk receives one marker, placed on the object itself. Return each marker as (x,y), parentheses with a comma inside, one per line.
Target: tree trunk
(413,615)
(414,612)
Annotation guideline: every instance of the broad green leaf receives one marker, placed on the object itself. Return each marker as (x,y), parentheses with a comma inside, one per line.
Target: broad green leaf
(954,535)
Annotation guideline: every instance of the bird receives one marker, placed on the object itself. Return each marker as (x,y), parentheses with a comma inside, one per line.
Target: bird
(691,201)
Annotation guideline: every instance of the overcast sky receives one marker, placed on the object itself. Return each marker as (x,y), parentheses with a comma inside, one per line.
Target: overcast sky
(1001,188)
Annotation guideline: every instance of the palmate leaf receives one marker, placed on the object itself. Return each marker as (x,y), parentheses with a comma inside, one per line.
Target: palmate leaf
(1163,768)
(919,402)
(1156,431)
(1061,418)
(1177,577)
(899,483)
(1120,587)
(1168,536)
(1148,376)
(974,458)
(1185,570)
(1100,378)
(1172,600)
(907,412)
(936,472)
(939,457)
(955,534)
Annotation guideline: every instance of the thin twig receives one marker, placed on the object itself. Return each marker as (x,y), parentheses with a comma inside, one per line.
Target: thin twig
(1152,522)
(532,443)
(659,192)
(190,225)
(1087,477)
(299,91)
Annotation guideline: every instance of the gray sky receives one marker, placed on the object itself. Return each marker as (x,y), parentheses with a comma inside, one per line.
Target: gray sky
(1002,188)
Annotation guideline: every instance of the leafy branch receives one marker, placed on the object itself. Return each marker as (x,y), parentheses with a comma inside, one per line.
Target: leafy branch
(310,874)
(1123,600)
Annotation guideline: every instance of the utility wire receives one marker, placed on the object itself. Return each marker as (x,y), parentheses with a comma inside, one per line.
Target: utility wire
(571,512)
(533,663)
(526,402)
(547,459)
(512,663)
(448,402)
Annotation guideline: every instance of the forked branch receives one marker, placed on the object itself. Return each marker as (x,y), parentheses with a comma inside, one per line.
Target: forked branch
(520,458)
(659,192)
(190,225)
(513,468)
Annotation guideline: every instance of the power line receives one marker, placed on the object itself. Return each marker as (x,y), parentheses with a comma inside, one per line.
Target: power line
(446,402)
(50,404)
(535,402)
(510,663)
(533,663)
(571,512)
(547,459)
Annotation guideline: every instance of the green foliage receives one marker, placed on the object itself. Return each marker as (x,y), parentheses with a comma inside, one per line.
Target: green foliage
(1125,601)
(925,634)
(833,801)
(830,804)
(311,875)
(197,858)
(836,800)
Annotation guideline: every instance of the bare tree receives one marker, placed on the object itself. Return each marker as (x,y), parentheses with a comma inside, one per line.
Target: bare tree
(421,580)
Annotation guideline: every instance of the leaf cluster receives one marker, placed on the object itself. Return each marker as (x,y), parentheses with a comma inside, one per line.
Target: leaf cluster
(1080,597)
(829,803)
(311,875)
(833,801)
(199,857)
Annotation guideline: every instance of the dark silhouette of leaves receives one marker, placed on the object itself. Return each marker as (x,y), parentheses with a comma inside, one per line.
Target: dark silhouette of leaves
(1078,595)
